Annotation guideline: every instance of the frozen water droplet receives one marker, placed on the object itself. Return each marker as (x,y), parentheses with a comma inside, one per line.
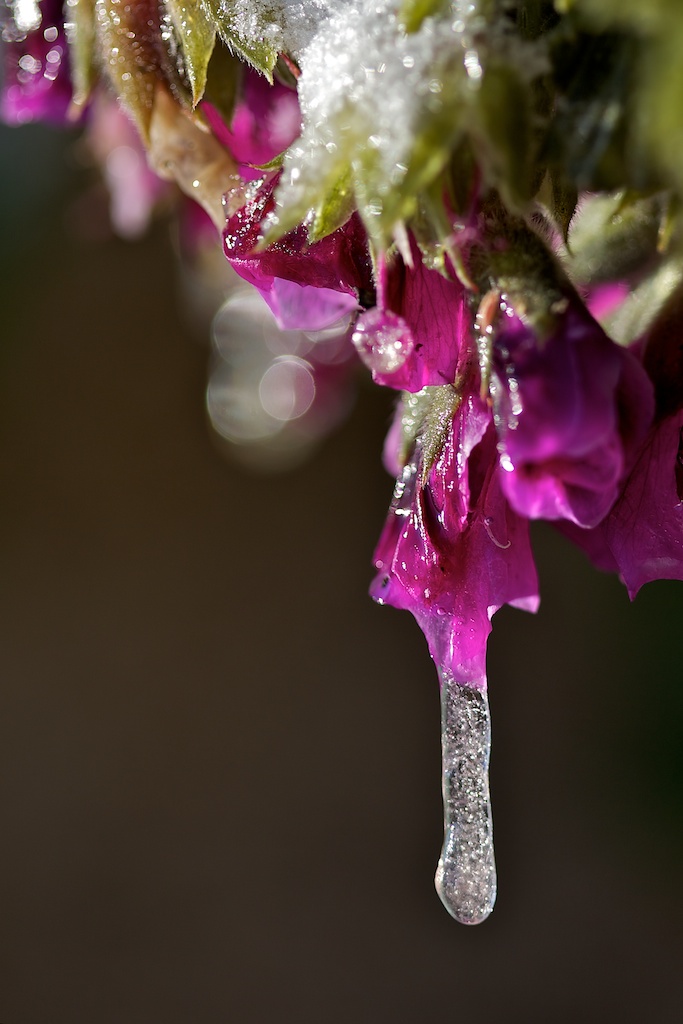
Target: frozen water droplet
(466,874)
(383,340)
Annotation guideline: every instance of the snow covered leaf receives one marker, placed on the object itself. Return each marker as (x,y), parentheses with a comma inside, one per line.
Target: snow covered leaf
(334,210)
(256,45)
(197,33)
(413,12)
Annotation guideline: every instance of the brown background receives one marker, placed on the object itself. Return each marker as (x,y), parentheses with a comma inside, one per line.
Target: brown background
(219,761)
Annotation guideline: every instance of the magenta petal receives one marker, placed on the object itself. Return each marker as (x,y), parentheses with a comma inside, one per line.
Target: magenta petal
(304,308)
(644,531)
(339,263)
(434,311)
(36,82)
(557,418)
(605,299)
(393,443)
(452,552)
(265,122)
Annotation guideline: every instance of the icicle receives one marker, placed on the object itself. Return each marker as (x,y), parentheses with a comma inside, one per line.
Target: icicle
(466,875)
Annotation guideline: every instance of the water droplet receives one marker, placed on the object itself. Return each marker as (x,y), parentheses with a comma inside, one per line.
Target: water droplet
(466,874)
(383,340)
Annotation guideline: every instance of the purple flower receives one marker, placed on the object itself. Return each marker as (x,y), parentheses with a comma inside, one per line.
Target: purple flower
(412,338)
(566,422)
(134,188)
(453,551)
(37,84)
(641,538)
(265,122)
(307,286)
(561,406)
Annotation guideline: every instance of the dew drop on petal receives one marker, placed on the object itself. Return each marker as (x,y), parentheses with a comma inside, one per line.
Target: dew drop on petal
(383,340)
(466,874)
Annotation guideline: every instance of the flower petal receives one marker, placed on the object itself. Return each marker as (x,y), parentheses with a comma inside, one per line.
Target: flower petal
(453,551)
(556,412)
(339,263)
(434,312)
(37,85)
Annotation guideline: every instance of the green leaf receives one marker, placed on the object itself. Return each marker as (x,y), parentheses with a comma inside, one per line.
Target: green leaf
(438,129)
(561,197)
(196,31)
(565,199)
(257,48)
(501,126)
(660,102)
(615,236)
(413,12)
(655,15)
(80,32)
(633,319)
(426,418)
(335,209)
(223,78)
(134,55)
(272,165)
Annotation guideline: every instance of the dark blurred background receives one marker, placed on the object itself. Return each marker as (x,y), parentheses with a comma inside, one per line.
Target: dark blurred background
(219,761)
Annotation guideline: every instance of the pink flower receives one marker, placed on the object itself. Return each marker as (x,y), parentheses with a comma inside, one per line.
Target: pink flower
(412,338)
(37,86)
(453,551)
(266,120)
(641,537)
(557,407)
(566,422)
(134,188)
(307,286)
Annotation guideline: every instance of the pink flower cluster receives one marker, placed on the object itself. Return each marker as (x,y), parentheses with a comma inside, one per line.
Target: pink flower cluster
(513,423)
(563,427)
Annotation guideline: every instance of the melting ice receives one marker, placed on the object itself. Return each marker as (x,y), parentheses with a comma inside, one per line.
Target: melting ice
(466,875)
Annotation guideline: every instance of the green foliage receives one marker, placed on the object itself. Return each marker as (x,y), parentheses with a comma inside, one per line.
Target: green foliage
(564,197)
(257,49)
(196,31)
(426,418)
(648,93)
(501,127)
(80,29)
(223,77)
(334,210)
(413,12)
(527,103)
(651,17)
(132,54)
